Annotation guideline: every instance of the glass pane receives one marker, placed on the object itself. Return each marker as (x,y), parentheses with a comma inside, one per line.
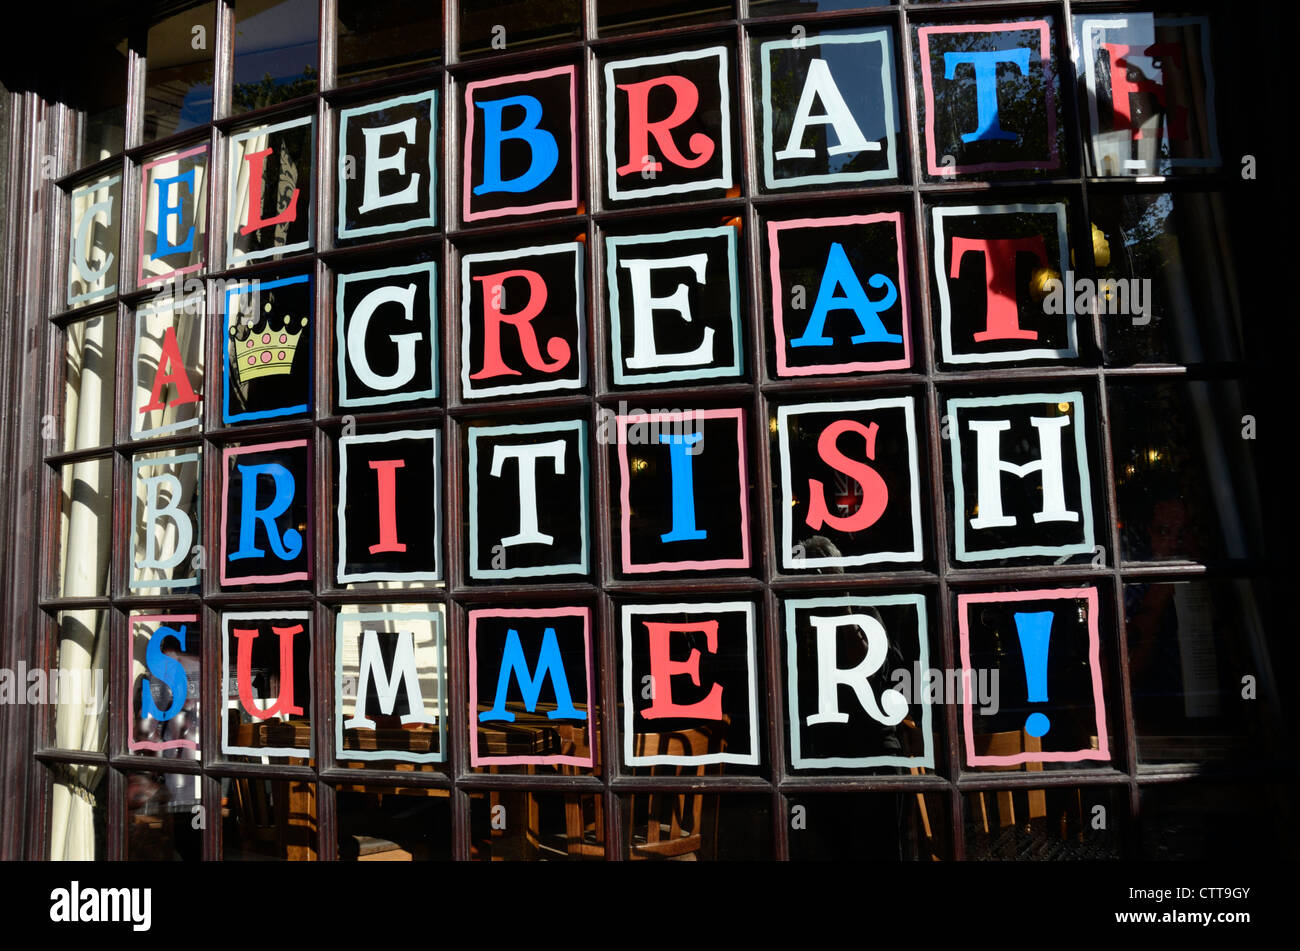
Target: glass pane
(77,827)
(874,827)
(536,827)
(1042,825)
(165,537)
(159,817)
(768,8)
(91,355)
(168,367)
(697,826)
(267,679)
(275,52)
(1172,297)
(268,819)
(488,26)
(94,240)
(85,529)
(378,38)
(178,72)
(396,824)
(1195,822)
(1190,646)
(1185,476)
(614,17)
(79,697)
(174,219)
(165,686)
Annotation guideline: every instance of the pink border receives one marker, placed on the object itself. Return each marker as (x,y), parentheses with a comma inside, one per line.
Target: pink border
(1094,661)
(225,503)
(777,295)
(470,89)
(624,492)
(1045,53)
(474,758)
(144,207)
(131,743)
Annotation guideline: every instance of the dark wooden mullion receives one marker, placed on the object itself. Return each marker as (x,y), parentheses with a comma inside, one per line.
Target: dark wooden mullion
(927,361)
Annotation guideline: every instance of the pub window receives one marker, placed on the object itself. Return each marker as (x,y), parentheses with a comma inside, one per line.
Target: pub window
(635,430)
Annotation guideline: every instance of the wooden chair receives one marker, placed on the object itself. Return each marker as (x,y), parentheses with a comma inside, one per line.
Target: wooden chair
(678,826)
(1007,744)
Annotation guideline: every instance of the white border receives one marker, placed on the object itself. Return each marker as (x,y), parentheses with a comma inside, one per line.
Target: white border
(468,390)
(945,303)
(341,337)
(629,705)
(160,306)
(783,414)
(880,36)
(232,258)
(724,180)
(401,434)
(429,221)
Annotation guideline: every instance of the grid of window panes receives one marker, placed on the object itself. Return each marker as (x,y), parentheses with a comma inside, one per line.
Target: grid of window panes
(691,559)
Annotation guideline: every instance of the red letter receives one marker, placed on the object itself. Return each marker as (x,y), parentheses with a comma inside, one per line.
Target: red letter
(663,667)
(174,373)
(256,162)
(640,128)
(244,672)
(493,365)
(385,470)
(1122,90)
(1002,319)
(875,494)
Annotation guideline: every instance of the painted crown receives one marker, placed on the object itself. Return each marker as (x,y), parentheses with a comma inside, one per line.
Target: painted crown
(263,351)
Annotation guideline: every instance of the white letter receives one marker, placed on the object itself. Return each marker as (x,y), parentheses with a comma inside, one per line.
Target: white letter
(819,83)
(990,466)
(404,671)
(644,352)
(370,197)
(528,456)
(829,676)
(405,342)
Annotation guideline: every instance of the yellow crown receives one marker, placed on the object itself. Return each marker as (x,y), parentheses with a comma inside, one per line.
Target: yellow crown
(265,352)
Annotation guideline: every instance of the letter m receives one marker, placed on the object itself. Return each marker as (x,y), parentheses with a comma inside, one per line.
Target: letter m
(530,683)
(386,682)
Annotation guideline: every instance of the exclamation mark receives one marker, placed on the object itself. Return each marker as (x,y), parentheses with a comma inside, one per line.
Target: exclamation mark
(1035,629)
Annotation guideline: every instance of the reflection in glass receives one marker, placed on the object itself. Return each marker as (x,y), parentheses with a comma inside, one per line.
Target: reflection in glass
(91,349)
(178,72)
(79,694)
(875,827)
(490,26)
(164,691)
(1185,479)
(275,52)
(1189,645)
(378,38)
(1172,297)
(77,827)
(159,813)
(94,240)
(401,824)
(697,826)
(1063,822)
(1195,822)
(614,17)
(268,819)
(165,516)
(85,528)
(529,826)
(97,89)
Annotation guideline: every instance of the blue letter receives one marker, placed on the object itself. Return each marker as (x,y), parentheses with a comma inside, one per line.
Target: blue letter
(839,274)
(167,210)
(250,514)
(986,88)
(169,670)
(545,154)
(530,685)
(683,529)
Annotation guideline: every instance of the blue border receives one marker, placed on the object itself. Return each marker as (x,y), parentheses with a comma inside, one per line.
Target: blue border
(225,344)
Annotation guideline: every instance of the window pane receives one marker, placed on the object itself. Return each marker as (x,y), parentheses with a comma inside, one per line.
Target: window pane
(697,826)
(268,819)
(97,89)
(178,73)
(1190,646)
(488,26)
(401,824)
(165,686)
(1185,477)
(614,17)
(875,827)
(536,827)
(168,371)
(77,832)
(165,521)
(1039,825)
(91,350)
(85,529)
(81,708)
(159,814)
(378,38)
(275,52)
